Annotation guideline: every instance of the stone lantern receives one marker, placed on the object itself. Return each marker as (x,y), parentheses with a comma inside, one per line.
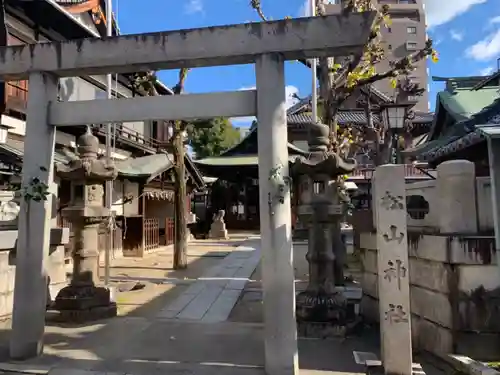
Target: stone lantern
(82,299)
(322,307)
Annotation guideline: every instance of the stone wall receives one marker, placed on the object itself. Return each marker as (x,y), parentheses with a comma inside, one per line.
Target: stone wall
(454,279)
(55,267)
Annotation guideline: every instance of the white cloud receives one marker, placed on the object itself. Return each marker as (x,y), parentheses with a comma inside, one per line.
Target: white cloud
(486,71)
(193,6)
(456,35)
(440,12)
(485,49)
(290,100)
(494,20)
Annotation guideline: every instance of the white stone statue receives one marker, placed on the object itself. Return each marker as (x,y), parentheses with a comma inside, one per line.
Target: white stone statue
(218,228)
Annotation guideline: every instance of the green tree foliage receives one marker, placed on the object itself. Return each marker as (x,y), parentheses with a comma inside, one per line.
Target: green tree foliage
(212,137)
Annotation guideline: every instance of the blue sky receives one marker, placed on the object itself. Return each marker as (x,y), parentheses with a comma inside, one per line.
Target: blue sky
(466,35)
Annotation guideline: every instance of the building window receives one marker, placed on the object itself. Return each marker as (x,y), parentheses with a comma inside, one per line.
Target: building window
(411,46)
(411,30)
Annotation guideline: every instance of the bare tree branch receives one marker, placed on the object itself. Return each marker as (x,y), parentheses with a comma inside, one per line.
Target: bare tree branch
(338,81)
(402,66)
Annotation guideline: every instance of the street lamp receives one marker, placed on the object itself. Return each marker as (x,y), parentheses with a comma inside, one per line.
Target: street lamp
(394,116)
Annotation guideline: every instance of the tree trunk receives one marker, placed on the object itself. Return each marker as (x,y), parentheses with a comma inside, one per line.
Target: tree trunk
(4,41)
(180,244)
(383,144)
(326,92)
(371,131)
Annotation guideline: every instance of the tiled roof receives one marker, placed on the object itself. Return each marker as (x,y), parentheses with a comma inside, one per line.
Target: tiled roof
(344,118)
(300,105)
(454,145)
(303,103)
(465,134)
(380,94)
(423,117)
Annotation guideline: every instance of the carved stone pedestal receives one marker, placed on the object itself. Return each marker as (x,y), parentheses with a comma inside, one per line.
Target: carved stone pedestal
(84,303)
(83,300)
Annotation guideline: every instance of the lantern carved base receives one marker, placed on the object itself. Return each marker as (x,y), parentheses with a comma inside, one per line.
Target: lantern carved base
(324,315)
(83,303)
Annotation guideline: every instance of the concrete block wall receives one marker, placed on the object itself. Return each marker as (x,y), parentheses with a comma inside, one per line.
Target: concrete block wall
(454,293)
(454,279)
(55,267)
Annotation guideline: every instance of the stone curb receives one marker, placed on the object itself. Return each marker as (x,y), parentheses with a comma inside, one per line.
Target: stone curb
(24,368)
(468,365)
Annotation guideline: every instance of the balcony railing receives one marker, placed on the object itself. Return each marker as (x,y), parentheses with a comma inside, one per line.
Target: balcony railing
(16,94)
(122,134)
(366,173)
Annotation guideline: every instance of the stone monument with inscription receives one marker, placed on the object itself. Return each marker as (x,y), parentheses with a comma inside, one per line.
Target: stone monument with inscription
(322,309)
(218,229)
(83,299)
(389,203)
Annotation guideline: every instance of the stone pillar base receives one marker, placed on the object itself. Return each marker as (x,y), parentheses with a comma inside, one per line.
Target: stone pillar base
(78,304)
(376,368)
(321,315)
(219,235)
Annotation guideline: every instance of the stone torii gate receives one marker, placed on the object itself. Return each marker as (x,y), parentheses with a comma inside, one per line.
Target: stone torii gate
(267,45)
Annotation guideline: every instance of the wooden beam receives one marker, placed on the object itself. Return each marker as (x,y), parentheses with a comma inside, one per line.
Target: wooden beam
(80,7)
(176,107)
(333,35)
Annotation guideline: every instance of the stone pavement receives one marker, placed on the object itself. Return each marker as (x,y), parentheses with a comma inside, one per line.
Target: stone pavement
(146,340)
(212,297)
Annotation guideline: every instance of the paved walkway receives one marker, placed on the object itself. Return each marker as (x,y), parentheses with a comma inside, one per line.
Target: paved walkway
(212,297)
(171,335)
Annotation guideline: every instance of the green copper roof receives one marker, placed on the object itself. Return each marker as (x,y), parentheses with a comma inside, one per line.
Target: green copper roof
(464,103)
(248,146)
(247,160)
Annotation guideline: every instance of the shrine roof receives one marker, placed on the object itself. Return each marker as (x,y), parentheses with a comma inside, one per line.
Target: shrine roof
(305,103)
(443,141)
(300,121)
(150,166)
(241,160)
(248,147)
(345,117)
(144,166)
(250,160)
(462,104)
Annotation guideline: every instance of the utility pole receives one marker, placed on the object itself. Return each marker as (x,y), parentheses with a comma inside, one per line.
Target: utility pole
(109,160)
(314,72)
